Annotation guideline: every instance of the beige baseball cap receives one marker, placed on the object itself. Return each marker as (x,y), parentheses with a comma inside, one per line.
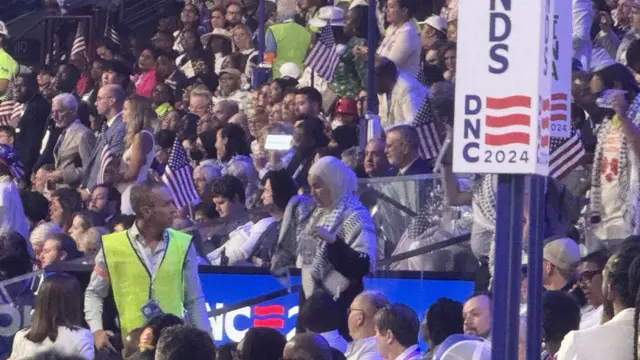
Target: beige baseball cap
(564,253)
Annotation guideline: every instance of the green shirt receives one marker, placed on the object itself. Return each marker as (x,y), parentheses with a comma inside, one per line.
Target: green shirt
(351,74)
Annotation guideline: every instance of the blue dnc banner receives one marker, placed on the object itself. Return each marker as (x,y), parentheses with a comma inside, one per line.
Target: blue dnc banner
(226,289)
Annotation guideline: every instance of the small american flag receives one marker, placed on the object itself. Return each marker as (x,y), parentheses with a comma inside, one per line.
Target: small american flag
(10,108)
(79,44)
(110,32)
(323,58)
(179,178)
(425,124)
(566,154)
(106,158)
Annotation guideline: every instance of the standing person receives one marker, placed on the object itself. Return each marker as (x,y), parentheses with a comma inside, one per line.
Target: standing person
(399,93)
(31,126)
(615,190)
(57,322)
(75,144)
(351,74)
(617,337)
(137,116)
(330,237)
(8,66)
(362,328)
(167,258)
(12,217)
(145,81)
(109,104)
(284,48)
(401,43)
(397,330)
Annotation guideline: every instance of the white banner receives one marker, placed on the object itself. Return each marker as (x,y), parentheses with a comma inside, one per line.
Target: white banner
(561,51)
(503,87)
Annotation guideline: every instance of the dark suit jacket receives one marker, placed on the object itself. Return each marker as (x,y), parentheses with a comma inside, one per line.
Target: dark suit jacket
(115,140)
(419,167)
(30,130)
(46,156)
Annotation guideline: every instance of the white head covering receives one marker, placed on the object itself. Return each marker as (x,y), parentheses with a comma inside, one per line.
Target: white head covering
(463,347)
(338,177)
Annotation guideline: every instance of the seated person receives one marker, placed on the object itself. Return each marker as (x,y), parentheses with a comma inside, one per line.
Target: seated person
(229,198)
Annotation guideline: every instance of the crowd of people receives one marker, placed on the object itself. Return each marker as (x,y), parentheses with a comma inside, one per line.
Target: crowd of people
(107,152)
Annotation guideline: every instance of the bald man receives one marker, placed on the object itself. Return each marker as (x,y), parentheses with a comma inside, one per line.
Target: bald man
(109,103)
(308,346)
(362,326)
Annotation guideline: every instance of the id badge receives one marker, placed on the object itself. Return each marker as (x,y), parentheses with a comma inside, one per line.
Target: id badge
(150,310)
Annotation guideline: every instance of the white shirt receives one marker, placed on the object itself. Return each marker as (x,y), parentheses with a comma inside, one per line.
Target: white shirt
(590,317)
(364,349)
(404,169)
(401,44)
(78,342)
(335,340)
(241,243)
(611,341)
(411,353)
(404,102)
(12,216)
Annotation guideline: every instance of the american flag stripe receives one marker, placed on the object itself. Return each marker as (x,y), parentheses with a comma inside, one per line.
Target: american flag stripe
(79,45)
(112,35)
(566,154)
(178,177)
(106,158)
(324,58)
(9,105)
(424,123)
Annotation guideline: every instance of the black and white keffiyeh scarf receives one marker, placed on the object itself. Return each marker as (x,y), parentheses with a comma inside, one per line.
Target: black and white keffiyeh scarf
(628,192)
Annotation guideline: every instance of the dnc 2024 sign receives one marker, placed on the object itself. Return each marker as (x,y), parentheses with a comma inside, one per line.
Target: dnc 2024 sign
(508,55)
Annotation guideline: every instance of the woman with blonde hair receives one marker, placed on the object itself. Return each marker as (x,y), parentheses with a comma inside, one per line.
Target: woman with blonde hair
(241,35)
(139,118)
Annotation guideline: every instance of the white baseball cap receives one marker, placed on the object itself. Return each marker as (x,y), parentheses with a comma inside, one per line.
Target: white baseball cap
(3,29)
(435,22)
(289,69)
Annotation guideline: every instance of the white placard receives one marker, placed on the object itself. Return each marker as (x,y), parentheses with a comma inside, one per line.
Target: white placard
(561,51)
(503,85)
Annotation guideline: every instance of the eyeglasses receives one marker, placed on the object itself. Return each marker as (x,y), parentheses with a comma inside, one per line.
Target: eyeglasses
(587,276)
(350,310)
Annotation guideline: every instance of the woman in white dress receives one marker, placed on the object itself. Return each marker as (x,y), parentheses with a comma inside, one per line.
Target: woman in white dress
(57,322)
(139,117)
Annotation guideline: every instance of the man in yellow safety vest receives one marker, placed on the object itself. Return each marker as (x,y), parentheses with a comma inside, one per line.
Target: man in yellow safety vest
(151,268)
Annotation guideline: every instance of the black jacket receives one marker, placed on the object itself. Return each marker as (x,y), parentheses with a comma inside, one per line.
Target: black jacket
(419,167)
(30,130)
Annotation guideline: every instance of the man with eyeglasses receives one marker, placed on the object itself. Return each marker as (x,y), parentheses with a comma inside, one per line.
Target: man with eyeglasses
(361,324)
(230,89)
(590,282)
(109,105)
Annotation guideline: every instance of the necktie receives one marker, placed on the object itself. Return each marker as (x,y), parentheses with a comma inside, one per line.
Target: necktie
(102,137)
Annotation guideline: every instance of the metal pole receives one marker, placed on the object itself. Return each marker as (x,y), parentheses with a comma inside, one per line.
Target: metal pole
(261,30)
(534,267)
(372,44)
(506,279)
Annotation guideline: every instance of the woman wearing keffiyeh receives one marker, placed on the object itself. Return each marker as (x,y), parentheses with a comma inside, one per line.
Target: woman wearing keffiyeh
(615,185)
(330,237)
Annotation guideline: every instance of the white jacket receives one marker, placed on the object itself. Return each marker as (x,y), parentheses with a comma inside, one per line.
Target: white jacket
(406,97)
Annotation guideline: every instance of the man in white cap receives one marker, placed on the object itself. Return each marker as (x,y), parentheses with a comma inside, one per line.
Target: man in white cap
(8,66)
(433,28)
(560,258)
